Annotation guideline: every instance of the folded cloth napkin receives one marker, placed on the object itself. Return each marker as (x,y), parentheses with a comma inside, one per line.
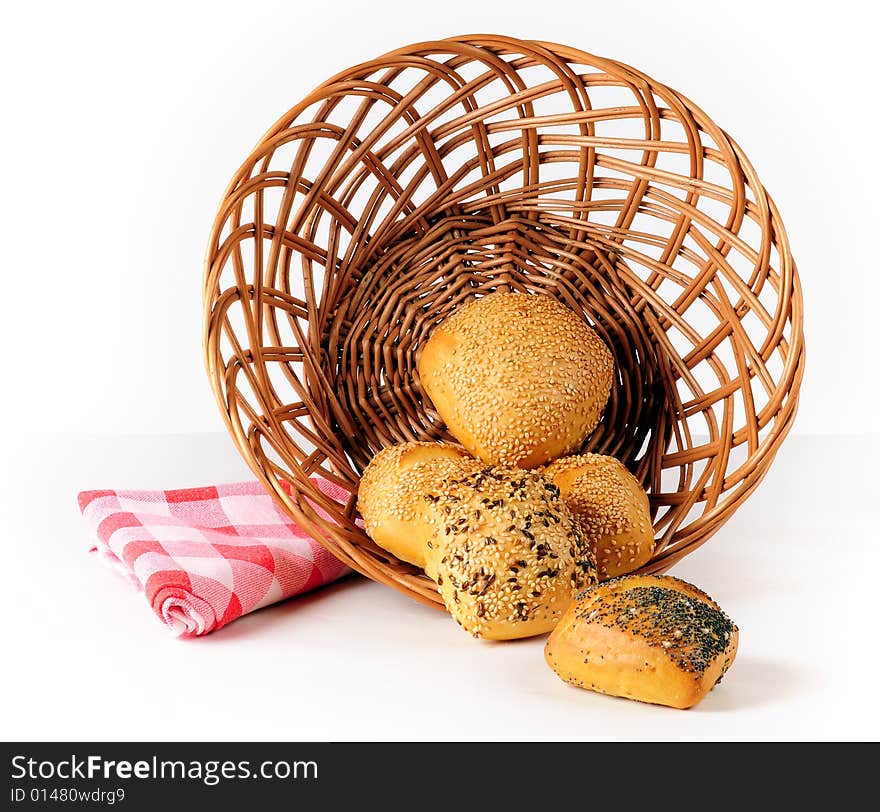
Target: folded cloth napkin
(206,556)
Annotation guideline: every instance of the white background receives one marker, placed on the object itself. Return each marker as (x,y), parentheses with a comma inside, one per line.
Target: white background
(124,122)
(122,125)
(84,657)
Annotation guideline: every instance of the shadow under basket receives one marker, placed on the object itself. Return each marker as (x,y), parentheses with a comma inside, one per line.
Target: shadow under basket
(446,170)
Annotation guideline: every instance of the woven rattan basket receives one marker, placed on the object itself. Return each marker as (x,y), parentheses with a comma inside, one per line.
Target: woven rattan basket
(404,186)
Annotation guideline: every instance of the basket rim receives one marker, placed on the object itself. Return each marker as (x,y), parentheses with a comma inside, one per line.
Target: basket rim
(789,313)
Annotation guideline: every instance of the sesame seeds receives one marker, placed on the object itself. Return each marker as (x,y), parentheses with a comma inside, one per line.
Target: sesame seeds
(611,508)
(400,474)
(519,379)
(506,588)
(395,490)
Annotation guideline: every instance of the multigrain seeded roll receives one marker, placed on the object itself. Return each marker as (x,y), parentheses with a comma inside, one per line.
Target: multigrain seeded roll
(653,638)
(519,379)
(611,507)
(391,494)
(506,555)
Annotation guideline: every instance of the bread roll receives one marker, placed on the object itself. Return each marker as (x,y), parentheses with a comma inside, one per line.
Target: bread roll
(612,508)
(507,556)
(391,495)
(519,379)
(652,638)
(505,552)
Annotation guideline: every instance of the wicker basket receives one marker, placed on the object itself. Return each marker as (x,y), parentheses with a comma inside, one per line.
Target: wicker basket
(445,170)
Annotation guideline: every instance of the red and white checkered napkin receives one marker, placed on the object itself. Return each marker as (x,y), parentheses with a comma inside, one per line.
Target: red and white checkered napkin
(206,556)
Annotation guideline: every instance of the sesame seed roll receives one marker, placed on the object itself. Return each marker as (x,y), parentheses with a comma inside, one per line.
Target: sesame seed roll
(611,507)
(519,379)
(507,556)
(390,496)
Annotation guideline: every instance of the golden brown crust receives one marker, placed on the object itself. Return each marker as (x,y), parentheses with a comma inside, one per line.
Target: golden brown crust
(519,379)
(505,551)
(652,638)
(507,555)
(612,508)
(391,491)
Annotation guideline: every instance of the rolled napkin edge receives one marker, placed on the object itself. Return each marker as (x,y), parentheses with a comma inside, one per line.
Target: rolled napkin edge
(198,555)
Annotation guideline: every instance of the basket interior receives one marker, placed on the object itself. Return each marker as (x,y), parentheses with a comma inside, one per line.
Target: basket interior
(447,170)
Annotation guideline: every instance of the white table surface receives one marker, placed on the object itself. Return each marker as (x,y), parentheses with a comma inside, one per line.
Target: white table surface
(85,658)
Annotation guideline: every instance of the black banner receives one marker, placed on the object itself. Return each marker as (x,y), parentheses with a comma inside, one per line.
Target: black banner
(164,776)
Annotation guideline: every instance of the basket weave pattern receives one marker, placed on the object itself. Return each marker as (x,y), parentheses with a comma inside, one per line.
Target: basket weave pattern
(404,186)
